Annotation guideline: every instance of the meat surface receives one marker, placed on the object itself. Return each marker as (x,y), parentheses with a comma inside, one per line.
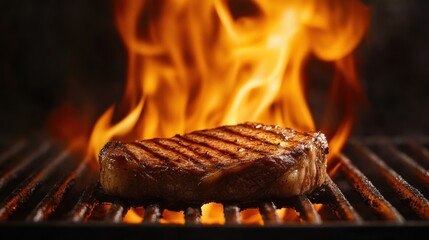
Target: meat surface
(244,162)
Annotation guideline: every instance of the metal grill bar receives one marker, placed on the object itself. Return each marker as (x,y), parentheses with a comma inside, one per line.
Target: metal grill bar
(269,213)
(83,208)
(192,215)
(306,209)
(422,152)
(23,192)
(56,195)
(43,202)
(367,190)
(117,212)
(412,166)
(232,214)
(14,171)
(407,192)
(13,150)
(341,206)
(152,213)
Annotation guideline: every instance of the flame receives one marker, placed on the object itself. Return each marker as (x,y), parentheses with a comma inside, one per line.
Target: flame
(200,64)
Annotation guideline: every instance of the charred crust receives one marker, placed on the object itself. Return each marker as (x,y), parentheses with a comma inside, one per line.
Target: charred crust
(320,139)
(108,147)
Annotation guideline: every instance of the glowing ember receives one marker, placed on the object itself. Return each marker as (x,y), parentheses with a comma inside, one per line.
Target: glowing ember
(134,216)
(251,216)
(201,64)
(212,214)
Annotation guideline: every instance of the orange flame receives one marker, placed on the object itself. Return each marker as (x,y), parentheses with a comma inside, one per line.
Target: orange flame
(200,64)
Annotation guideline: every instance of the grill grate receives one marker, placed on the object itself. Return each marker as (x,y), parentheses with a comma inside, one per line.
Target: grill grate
(376,181)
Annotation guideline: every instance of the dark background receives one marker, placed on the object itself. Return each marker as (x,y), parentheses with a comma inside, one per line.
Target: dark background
(52,51)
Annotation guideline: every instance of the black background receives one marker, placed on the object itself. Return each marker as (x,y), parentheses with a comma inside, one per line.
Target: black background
(51,51)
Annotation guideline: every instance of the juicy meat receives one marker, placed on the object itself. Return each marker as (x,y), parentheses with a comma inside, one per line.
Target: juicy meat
(244,162)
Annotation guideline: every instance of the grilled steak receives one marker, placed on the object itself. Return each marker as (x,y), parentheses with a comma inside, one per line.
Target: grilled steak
(244,162)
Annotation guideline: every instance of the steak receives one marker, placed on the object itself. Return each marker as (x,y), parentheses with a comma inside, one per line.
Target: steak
(244,162)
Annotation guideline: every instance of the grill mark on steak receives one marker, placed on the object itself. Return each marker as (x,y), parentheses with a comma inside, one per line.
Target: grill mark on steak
(255,132)
(126,150)
(204,155)
(233,151)
(172,156)
(201,141)
(164,160)
(271,131)
(202,148)
(248,142)
(250,136)
(216,136)
(133,155)
(189,155)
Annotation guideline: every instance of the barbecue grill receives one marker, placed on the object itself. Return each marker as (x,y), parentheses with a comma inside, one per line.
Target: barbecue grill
(378,187)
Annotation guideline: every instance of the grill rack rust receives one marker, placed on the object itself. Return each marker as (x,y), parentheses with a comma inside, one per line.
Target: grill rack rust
(44,183)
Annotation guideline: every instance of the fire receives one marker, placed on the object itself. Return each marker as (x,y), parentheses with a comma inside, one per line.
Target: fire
(200,64)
